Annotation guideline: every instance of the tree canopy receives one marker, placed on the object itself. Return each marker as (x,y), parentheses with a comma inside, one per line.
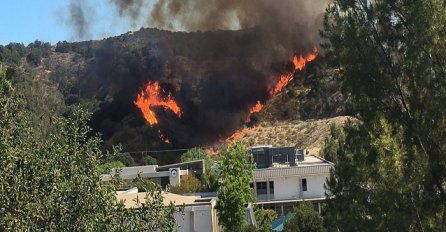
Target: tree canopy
(52,182)
(234,192)
(390,172)
(264,219)
(304,219)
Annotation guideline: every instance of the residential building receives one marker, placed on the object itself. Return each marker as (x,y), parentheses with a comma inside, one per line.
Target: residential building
(200,214)
(163,175)
(284,176)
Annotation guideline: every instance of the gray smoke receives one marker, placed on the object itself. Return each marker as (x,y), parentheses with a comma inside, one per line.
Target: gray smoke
(284,24)
(129,8)
(80,18)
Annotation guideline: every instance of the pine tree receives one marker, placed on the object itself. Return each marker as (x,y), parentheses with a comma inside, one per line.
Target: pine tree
(390,174)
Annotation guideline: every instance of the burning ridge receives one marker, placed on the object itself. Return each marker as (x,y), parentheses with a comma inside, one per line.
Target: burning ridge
(154,96)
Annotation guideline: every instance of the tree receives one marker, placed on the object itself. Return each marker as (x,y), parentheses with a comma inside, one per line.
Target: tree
(189,184)
(63,47)
(304,219)
(148,160)
(391,173)
(210,178)
(34,57)
(106,168)
(234,192)
(52,183)
(125,158)
(264,219)
(332,143)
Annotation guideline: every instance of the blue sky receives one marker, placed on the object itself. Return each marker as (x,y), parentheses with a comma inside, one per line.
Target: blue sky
(25,21)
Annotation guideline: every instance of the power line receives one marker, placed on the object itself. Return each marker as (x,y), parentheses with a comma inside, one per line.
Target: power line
(162,151)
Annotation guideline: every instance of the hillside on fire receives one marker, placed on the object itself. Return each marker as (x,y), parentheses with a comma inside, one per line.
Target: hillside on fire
(155,89)
(223,115)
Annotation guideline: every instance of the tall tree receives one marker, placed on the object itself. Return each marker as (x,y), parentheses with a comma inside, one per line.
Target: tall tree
(391,173)
(234,192)
(52,183)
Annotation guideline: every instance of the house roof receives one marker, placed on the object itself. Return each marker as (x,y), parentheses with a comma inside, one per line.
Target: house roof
(178,200)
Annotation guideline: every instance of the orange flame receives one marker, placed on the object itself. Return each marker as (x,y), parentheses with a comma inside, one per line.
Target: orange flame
(240,133)
(299,64)
(151,97)
(256,108)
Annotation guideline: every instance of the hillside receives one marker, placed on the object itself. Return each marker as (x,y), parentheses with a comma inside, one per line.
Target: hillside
(214,83)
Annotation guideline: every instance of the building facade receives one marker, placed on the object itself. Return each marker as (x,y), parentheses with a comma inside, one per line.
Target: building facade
(167,175)
(199,214)
(285,176)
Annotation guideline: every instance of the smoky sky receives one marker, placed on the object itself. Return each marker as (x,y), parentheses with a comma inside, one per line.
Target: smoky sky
(80,18)
(284,21)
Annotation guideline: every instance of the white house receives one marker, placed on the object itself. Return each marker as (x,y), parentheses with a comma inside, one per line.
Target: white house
(285,176)
(200,214)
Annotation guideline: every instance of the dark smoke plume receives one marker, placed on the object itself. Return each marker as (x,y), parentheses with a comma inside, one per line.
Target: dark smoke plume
(79,18)
(220,61)
(285,24)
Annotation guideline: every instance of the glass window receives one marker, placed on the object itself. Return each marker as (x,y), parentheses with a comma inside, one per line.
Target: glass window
(271,187)
(261,187)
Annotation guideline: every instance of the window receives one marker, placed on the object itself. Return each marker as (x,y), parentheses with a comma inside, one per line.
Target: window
(271,187)
(261,188)
(304,184)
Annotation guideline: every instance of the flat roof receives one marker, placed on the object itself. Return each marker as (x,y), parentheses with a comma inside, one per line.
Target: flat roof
(178,200)
(312,160)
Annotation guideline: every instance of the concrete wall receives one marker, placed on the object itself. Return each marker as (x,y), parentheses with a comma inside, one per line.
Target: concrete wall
(286,188)
(200,218)
(315,187)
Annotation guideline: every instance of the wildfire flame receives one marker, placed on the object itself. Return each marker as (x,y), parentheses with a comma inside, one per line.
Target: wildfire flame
(299,64)
(240,133)
(151,97)
(254,109)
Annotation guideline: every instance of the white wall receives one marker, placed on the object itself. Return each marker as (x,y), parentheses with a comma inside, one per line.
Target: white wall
(197,219)
(315,186)
(286,188)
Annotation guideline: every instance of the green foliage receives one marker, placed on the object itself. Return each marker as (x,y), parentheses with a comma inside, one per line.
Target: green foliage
(52,183)
(63,47)
(148,160)
(125,158)
(234,192)
(44,49)
(264,219)
(210,178)
(249,228)
(196,154)
(150,214)
(189,184)
(391,173)
(106,168)
(304,219)
(34,57)
(375,180)
(12,53)
(333,143)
